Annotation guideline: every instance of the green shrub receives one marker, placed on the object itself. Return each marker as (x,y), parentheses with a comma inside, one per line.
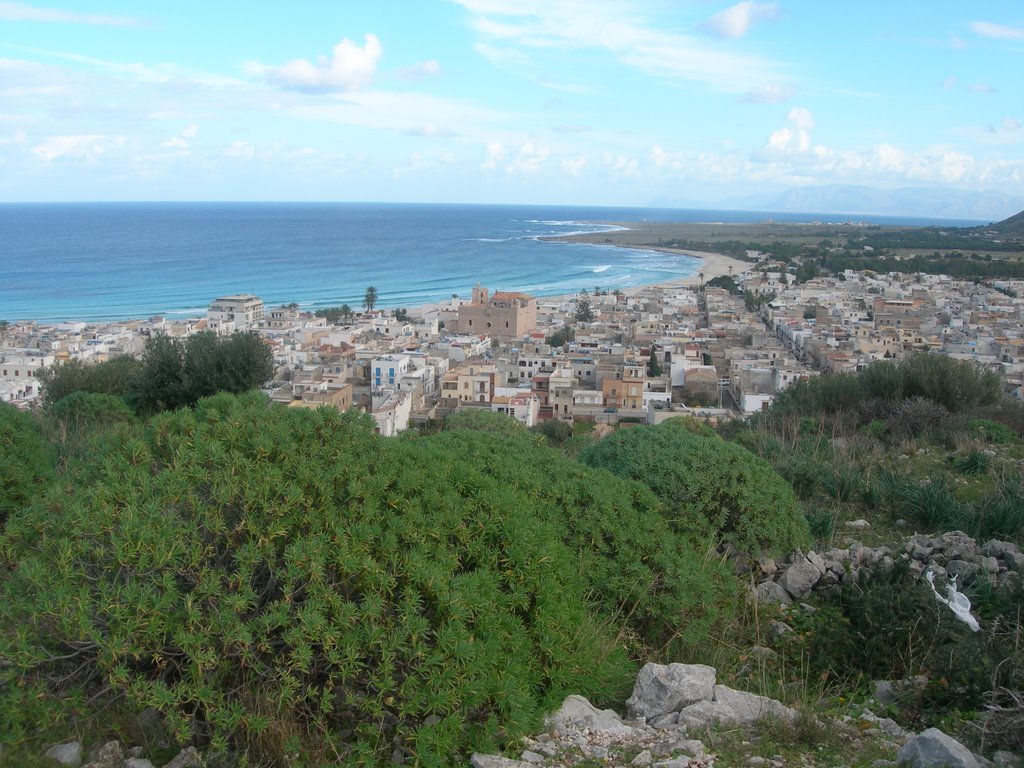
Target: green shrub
(555,431)
(973,463)
(84,410)
(821,522)
(483,421)
(26,460)
(955,385)
(803,472)
(930,503)
(992,432)
(275,580)
(706,482)
(175,373)
(888,625)
(111,377)
(843,482)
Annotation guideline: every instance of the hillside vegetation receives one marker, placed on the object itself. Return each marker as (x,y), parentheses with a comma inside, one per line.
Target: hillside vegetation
(277,581)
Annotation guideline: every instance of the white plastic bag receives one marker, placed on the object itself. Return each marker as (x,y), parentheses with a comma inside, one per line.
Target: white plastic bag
(957,601)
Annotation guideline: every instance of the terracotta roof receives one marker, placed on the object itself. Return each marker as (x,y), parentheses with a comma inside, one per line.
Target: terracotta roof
(509,295)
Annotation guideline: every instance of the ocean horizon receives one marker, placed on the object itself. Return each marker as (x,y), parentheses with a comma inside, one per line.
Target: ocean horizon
(96,262)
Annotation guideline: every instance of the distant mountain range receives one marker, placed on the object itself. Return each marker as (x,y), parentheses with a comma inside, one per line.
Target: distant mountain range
(924,202)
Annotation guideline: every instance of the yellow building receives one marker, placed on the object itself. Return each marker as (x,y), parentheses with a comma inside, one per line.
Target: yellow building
(507,314)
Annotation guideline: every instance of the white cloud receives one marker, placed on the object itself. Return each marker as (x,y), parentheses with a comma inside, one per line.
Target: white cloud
(81,148)
(997,31)
(517,34)
(25,12)
(573,166)
(349,68)
(18,137)
(529,159)
(181,141)
(794,140)
(769,93)
(240,150)
(430,131)
(420,70)
(495,155)
(621,165)
(571,128)
(801,118)
(981,88)
(736,21)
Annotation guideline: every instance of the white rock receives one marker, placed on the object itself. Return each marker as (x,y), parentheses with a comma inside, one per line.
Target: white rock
(189,757)
(68,753)
(799,579)
(934,749)
(478,760)
(660,689)
(577,711)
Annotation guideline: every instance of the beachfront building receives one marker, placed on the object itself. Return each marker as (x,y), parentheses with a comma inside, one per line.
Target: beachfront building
(228,314)
(507,315)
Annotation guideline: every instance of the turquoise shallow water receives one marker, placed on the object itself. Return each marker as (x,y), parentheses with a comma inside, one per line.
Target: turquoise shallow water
(114,261)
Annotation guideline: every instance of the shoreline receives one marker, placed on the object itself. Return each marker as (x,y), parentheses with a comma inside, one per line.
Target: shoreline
(714,265)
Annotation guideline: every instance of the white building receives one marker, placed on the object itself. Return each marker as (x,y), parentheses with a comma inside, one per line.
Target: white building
(391,411)
(235,313)
(524,408)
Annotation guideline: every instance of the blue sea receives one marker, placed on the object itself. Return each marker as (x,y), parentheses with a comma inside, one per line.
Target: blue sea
(109,261)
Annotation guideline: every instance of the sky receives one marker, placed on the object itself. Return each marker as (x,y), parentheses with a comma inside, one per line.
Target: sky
(584,102)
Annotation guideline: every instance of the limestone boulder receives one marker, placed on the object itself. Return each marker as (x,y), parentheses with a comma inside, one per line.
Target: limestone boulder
(67,754)
(770,593)
(661,688)
(934,749)
(799,579)
(189,757)
(110,755)
(577,712)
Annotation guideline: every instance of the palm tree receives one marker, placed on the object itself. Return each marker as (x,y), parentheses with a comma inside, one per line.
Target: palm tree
(370,299)
(345,310)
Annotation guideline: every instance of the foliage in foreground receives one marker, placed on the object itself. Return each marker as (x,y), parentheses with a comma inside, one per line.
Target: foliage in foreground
(276,580)
(889,626)
(26,461)
(706,481)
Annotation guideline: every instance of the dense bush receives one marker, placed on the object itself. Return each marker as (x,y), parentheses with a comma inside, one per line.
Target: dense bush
(555,431)
(85,410)
(176,373)
(483,421)
(26,460)
(934,505)
(877,391)
(281,580)
(888,625)
(111,377)
(705,481)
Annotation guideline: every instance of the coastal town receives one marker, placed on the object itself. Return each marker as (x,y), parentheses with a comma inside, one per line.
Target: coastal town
(641,355)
